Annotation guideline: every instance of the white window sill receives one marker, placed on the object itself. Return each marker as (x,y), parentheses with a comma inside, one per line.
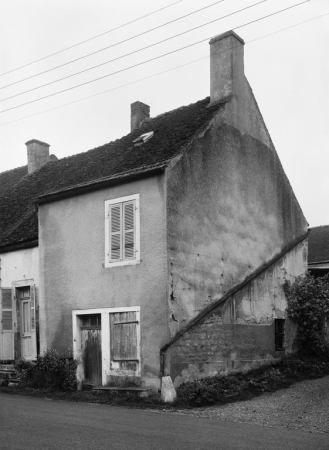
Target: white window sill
(109,265)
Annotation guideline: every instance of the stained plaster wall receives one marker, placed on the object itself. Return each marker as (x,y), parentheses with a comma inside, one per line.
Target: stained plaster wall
(239,333)
(21,265)
(230,209)
(72,259)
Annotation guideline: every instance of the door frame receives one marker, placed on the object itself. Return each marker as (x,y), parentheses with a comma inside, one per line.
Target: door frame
(17,316)
(105,338)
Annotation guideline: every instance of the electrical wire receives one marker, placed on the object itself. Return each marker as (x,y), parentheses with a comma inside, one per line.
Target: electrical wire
(144,62)
(114,45)
(90,39)
(159,73)
(128,54)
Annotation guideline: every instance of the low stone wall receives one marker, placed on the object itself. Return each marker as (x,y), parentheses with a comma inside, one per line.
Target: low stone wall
(212,348)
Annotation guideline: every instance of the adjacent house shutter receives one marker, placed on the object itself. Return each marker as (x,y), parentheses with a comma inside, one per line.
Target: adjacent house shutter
(129,230)
(32,297)
(6,310)
(115,231)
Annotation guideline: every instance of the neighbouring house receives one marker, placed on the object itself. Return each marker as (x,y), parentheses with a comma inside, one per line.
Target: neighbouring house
(163,252)
(19,259)
(318,251)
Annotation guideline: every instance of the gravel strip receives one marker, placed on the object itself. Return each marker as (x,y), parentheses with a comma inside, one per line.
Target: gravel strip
(304,406)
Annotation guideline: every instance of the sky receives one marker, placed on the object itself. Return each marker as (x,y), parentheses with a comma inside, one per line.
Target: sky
(286,64)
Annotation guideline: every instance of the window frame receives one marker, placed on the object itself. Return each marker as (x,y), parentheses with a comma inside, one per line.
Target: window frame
(122,262)
(279,334)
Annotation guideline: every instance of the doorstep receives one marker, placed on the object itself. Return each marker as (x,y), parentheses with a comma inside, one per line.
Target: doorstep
(7,374)
(7,367)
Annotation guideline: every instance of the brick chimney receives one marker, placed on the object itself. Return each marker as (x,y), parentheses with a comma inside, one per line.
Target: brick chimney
(139,112)
(37,154)
(226,66)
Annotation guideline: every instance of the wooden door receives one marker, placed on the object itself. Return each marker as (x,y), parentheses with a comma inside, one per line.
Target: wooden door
(124,344)
(91,346)
(27,322)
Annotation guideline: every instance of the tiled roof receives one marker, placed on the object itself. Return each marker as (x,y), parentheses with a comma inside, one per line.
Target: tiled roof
(9,178)
(318,244)
(172,132)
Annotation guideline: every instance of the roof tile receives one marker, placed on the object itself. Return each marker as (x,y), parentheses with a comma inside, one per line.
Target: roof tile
(172,131)
(318,244)
(9,178)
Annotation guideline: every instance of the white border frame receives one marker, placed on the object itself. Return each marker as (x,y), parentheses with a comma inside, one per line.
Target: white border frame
(105,338)
(128,262)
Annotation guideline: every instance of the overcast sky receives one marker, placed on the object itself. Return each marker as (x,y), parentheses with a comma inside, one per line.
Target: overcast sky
(288,72)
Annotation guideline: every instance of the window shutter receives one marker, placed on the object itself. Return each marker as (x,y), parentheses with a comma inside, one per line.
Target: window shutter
(124,336)
(32,297)
(129,230)
(115,231)
(7,309)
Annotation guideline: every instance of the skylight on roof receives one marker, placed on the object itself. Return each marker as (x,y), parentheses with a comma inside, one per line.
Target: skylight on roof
(143,138)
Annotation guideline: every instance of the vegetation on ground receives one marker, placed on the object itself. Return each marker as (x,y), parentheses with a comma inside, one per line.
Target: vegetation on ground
(244,386)
(50,371)
(207,391)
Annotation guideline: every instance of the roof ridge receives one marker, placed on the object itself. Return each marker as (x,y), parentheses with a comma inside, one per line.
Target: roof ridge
(318,226)
(11,170)
(177,109)
(147,121)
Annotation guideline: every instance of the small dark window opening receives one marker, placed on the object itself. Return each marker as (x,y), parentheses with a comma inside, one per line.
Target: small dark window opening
(279,334)
(91,321)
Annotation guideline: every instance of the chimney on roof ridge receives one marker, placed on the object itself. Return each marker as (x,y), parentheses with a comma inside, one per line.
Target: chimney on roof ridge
(37,154)
(139,112)
(226,66)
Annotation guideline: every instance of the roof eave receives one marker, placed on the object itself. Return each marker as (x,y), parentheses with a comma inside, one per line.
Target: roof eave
(19,246)
(316,263)
(101,183)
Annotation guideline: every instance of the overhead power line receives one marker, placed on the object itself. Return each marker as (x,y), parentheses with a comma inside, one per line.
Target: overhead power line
(159,73)
(149,60)
(130,53)
(113,45)
(90,39)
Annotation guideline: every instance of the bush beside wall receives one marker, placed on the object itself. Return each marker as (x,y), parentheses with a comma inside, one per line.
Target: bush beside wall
(51,370)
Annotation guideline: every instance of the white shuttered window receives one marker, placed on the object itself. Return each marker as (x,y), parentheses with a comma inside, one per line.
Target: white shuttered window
(6,310)
(122,231)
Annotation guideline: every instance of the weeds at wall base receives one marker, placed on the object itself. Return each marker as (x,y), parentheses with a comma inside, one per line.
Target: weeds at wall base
(244,386)
(207,391)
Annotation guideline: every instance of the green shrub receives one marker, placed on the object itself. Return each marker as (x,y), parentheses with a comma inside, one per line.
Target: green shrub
(211,389)
(308,305)
(223,388)
(51,371)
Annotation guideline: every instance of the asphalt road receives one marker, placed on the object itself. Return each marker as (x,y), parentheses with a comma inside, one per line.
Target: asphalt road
(34,423)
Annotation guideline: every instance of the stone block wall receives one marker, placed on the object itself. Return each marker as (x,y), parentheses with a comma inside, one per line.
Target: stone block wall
(239,333)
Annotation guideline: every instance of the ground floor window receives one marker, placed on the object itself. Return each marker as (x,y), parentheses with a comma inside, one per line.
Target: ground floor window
(279,334)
